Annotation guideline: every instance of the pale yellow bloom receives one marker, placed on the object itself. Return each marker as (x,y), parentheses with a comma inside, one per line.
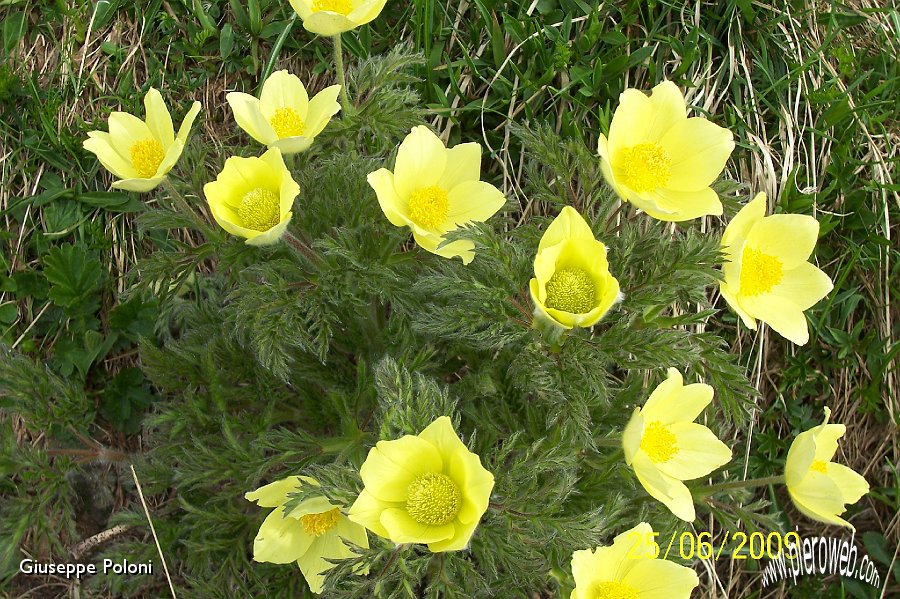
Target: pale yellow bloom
(766,275)
(284,117)
(427,488)
(433,190)
(252,197)
(141,152)
(630,569)
(665,446)
(572,285)
(332,17)
(659,159)
(820,488)
(310,533)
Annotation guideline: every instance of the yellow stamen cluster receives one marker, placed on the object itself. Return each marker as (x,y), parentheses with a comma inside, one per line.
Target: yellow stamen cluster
(433,499)
(146,157)
(659,443)
(819,466)
(615,590)
(428,206)
(645,167)
(259,209)
(759,272)
(318,524)
(287,123)
(570,290)
(339,6)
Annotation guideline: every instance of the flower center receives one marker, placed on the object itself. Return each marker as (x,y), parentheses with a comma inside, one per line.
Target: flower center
(645,166)
(339,6)
(259,209)
(318,524)
(570,290)
(428,206)
(615,590)
(146,156)
(658,442)
(433,499)
(287,123)
(819,466)
(759,272)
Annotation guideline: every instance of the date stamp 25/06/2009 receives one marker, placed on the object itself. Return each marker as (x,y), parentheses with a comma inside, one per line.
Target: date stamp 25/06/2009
(79,569)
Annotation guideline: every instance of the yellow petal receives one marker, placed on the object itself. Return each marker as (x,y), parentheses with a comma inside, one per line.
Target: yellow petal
(673,401)
(734,302)
(463,164)
(699,452)
(661,579)
(630,122)
(366,11)
(781,314)
(799,458)
(668,110)
(280,540)
(303,8)
(249,117)
(283,90)
(473,201)
(185,128)
(852,485)
(325,22)
(677,206)
(462,248)
(403,529)
(159,121)
(366,511)
(667,490)
(274,494)
(569,224)
(138,185)
(382,181)
(737,230)
(462,535)
(606,166)
(100,143)
(421,161)
(392,465)
(313,562)
(788,237)
(271,236)
(699,150)
(826,438)
(804,285)
(475,483)
(820,498)
(313,505)
(631,437)
(322,107)
(171,158)
(125,130)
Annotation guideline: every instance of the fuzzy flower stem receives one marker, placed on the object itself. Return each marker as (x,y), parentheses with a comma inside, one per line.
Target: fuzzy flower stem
(339,65)
(738,484)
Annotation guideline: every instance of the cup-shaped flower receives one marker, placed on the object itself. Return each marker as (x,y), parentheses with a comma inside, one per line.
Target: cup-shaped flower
(767,276)
(665,446)
(572,286)
(310,533)
(659,159)
(284,116)
(141,152)
(433,190)
(252,197)
(630,569)
(820,488)
(333,17)
(427,488)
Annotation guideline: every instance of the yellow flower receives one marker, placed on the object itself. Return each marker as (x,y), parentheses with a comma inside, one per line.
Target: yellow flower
(427,488)
(310,533)
(252,197)
(284,117)
(660,160)
(665,446)
(628,569)
(139,152)
(434,190)
(820,488)
(572,285)
(332,17)
(767,276)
